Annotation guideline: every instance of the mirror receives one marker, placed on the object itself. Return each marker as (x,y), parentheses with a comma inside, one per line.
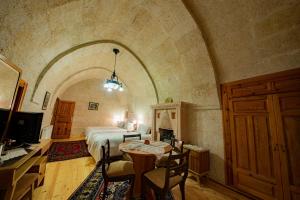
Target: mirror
(9,76)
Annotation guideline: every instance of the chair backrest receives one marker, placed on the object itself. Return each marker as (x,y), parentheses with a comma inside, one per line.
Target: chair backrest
(143,129)
(177,170)
(177,145)
(105,158)
(139,136)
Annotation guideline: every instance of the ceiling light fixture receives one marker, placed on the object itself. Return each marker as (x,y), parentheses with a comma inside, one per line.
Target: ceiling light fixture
(113,83)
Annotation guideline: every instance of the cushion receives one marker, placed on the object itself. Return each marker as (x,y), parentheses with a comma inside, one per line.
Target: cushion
(121,124)
(143,129)
(120,168)
(125,125)
(127,157)
(163,162)
(157,176)
(130,126)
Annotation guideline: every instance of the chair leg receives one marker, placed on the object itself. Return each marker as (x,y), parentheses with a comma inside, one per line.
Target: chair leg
(105,189)
(181,185)
(144,189)
(157,195)
(31,191)
(131,181)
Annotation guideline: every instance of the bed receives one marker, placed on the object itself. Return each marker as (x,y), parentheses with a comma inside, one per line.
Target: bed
(96,136)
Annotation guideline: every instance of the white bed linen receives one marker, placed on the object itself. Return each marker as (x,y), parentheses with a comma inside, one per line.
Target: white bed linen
(95,139)
(90,131)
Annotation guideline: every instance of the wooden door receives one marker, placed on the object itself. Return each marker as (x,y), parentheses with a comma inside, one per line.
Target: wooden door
(288,123)
(255,155)
(62,119)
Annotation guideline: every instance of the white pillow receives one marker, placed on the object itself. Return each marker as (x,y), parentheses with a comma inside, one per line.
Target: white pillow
(130,126)
(121,124)
(143,129)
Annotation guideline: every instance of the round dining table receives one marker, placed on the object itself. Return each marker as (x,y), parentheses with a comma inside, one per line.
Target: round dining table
(144,155)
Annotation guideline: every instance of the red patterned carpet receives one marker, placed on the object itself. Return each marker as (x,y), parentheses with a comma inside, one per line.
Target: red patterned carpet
(93,186)
(67,150)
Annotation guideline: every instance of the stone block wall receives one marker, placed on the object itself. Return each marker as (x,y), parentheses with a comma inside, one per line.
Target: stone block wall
(112,105)
(206,130)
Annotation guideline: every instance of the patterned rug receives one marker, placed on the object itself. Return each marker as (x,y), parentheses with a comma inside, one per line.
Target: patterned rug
(93,185)
(67,150)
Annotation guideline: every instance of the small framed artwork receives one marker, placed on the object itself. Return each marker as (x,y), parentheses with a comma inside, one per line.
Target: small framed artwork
(93,106)
(46,100)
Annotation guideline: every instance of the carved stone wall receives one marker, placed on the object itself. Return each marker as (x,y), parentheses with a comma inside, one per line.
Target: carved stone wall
(111,105)
(165,51)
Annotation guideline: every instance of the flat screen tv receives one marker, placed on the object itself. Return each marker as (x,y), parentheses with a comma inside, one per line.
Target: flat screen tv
(25,127)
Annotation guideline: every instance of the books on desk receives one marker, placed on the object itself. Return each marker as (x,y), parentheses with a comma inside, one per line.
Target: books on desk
(13,153)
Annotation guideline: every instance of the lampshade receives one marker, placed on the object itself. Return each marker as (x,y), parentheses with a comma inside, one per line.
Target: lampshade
(113,83)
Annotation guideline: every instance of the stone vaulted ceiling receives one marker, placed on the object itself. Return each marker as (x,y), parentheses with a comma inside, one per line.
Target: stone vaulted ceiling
(162,49)
(166,51)
(249,38)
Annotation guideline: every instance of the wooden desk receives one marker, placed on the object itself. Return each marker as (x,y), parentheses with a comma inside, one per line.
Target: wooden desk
(15,179)
(143,160)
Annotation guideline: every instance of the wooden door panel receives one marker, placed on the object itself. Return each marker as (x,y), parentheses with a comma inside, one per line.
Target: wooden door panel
(296,196)
(255,105)
(255,186)
(291,84)
(292,139)
(288,118)
(62,119)
(65,108)
(249,89)
(254,162)
(54,111)
(289,103)
(59,129)
(241,140)
(263,146)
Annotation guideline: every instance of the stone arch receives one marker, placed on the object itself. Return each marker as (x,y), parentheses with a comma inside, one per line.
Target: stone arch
(77,73)
(77,47)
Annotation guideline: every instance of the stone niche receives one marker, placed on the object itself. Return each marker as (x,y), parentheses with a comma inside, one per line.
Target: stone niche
(171,117)
(166,135)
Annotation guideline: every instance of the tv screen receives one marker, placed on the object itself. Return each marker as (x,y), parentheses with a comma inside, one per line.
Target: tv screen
(4,113)
(25,127)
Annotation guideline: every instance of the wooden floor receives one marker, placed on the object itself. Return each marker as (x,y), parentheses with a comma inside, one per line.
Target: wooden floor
(63,177)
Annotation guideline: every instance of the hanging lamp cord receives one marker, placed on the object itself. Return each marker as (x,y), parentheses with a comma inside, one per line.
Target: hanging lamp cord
(114,75)
(115,61)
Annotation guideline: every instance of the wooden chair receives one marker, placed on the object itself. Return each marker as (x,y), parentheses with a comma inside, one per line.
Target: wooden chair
(116,171)
(139,136)
(177,147)
(162,180)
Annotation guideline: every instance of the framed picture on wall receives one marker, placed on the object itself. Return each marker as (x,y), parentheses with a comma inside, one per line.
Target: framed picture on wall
(93,106)
(46,100)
